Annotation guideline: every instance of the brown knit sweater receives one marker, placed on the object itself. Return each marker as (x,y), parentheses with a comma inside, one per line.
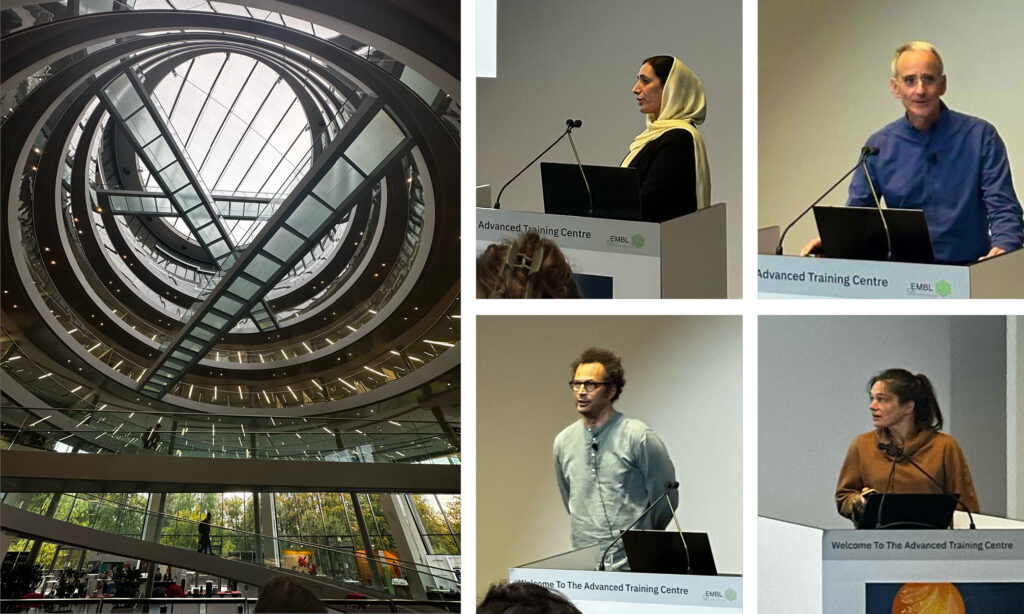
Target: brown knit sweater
(867,466)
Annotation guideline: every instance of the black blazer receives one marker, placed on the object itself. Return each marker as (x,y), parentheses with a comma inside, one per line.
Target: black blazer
(668,175)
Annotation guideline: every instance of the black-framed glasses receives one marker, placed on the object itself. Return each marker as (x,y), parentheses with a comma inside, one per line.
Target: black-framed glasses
(589,386)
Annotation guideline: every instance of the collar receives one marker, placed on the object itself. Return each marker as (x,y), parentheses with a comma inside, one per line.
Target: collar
(940,126)
(911,445)
(596,433)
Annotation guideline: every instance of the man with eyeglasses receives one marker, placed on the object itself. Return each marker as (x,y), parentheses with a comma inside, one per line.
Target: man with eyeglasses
(952,166)
(609,468)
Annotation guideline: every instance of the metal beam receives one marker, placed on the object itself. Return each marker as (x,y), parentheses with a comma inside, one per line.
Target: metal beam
(147,128)
(351,165)
(31,471)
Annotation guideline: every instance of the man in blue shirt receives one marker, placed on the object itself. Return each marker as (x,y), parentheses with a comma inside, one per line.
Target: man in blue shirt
(952,166)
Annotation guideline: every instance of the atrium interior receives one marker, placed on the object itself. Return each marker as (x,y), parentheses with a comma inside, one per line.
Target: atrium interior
(230,284)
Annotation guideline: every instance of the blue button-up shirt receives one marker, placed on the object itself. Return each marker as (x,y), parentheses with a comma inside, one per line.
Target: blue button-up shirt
(607,477)
(958,173)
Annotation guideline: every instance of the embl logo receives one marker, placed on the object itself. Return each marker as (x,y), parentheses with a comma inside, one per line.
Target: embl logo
(919,287)
(618,239)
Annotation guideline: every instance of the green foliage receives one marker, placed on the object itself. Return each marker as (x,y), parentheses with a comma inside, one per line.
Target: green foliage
(441,540)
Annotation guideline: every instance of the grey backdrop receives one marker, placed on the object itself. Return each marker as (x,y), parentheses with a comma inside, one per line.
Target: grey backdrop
(823,87)
(812,400)
(579,59)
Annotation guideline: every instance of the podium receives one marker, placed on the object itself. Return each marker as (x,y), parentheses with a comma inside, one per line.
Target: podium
(680,258)
(605,592)
(808,569)
(797,277)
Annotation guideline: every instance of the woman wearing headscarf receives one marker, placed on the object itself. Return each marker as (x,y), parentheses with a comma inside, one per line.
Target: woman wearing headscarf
(907,421)
(669,154)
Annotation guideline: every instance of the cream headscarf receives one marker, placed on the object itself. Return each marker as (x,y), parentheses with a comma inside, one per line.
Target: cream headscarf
(682,106)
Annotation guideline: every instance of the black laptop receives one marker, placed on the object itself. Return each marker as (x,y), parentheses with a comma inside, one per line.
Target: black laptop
(615,189)
(669,552)
(908,511)
(857,233)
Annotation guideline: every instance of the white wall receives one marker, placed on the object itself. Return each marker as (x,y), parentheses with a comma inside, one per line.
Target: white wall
(812,400)
(683,377)
(823,71)
(579,59)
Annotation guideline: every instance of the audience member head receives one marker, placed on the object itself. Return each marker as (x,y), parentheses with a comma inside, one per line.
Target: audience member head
(524,598)
(282,594)
(527,267)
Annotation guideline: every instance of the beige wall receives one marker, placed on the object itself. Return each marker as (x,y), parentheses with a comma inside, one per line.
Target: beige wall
(683,377)
(823,69)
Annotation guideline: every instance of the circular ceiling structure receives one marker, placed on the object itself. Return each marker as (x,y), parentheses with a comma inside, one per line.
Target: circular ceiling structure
(228,210)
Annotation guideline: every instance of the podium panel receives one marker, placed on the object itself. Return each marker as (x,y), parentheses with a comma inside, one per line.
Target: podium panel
(889,571)
(607,592)
(680,258)
(796,277)
(808,569)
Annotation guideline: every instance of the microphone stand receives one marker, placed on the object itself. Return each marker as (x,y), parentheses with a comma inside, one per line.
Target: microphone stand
(569,125)
(604,555)
(898,455)
(586,184)
(878,206)
(864,153)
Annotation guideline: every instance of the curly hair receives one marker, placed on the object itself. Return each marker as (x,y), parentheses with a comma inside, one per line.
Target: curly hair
(613,371)
(528,267)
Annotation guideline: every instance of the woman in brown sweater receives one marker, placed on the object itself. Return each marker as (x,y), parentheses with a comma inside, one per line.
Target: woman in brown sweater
(907,421)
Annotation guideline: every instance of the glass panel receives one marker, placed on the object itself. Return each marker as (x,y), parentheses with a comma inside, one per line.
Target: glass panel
(338,183)
(420,84)
(133,204)
(283,244)
(199,217)
(227,305)
(243,288)
(202,333)
(376,141)
(213,320)
(143,128)
(118,204)
(160,153)
(123,96)
(187,198)
(174,177)
(308,216)
(261,267)
(218,248)
(181,355)
(209,233)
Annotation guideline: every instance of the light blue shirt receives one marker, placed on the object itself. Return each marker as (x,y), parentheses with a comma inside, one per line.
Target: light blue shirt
(607,488)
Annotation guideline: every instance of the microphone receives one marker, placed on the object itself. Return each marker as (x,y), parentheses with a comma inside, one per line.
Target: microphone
(576,123)
(593,446)
(569,125)
(898,455)
(669,487)
(865,152)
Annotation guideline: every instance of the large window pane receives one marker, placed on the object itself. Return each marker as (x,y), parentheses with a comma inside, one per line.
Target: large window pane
(376,141)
